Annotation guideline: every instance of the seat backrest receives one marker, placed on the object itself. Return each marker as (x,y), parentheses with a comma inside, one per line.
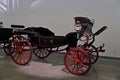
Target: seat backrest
(41,31)
(44,31)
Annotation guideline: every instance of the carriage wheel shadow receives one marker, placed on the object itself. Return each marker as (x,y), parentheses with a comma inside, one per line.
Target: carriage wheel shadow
(56,59)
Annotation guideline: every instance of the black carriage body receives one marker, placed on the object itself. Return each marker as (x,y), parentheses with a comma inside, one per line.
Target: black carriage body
(56,41)
(5,34)
(51,41)
(47,39)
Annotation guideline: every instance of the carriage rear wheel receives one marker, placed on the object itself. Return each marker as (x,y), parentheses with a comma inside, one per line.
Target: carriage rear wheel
(20,50)
(6,48)
(42,53)
(76,62)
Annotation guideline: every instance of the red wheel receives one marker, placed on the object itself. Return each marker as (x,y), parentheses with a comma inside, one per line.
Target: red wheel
(76,62)
(20,50)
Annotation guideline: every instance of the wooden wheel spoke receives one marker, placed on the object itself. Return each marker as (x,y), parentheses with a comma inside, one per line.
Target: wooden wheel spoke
(74,66)
(24,57)
(18,56)
(46,53)
(41,53)
(71,57)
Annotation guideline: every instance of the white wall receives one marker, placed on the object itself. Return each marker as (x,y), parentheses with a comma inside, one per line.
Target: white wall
(57,15)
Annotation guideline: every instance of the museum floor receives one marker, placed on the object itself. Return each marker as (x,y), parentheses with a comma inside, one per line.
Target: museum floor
(52,68)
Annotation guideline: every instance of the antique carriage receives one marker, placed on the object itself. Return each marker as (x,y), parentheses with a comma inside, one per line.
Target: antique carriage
(80,56)
(20,43)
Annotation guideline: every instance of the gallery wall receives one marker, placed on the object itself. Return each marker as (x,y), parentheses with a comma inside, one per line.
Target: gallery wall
(57,15)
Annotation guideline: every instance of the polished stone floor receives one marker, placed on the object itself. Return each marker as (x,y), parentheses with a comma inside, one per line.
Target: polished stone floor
(103,69)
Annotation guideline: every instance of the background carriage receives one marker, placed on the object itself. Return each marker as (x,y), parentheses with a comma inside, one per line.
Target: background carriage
(5,35)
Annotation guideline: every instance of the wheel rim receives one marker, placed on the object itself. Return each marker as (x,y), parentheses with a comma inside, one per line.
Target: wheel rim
(76,63)
(42,53)
(22,52)
(93,54)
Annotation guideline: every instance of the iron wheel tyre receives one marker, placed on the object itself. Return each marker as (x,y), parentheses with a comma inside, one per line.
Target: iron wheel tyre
(20,50)
(78,64)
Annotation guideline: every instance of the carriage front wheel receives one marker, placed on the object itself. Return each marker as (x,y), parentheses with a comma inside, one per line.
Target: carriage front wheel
(20,50)
(76,62)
